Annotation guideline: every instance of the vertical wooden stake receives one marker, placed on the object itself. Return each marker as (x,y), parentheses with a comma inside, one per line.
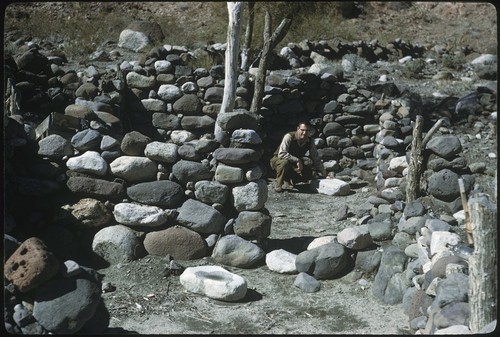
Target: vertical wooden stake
(468,229)
(483,286)
(416,159)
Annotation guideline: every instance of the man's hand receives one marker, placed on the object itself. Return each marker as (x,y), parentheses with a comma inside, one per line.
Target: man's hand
(300,166)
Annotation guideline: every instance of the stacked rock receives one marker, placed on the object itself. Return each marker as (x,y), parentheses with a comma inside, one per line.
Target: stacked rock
(238,167)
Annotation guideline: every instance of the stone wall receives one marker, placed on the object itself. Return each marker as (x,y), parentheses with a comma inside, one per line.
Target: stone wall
(141,172)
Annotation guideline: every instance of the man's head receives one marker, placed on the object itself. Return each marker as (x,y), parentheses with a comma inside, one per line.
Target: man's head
(303,130)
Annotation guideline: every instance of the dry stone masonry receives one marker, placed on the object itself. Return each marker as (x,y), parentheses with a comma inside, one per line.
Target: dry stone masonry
(119,160)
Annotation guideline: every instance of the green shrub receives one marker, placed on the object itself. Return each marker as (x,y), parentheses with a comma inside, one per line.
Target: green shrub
(413,69)
(453,61)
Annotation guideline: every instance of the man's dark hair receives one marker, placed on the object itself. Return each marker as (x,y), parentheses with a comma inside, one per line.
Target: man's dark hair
(305,122)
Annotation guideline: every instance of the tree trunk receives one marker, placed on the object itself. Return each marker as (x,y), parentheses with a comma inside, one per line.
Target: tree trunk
(416,159)
(270,43)
(248,37)
(483,263)
(231,64)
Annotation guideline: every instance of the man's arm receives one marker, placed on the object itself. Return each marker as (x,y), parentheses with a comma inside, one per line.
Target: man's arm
(284,148)
(313,152)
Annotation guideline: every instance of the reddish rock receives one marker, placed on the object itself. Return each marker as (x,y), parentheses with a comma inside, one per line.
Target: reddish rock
(30,265)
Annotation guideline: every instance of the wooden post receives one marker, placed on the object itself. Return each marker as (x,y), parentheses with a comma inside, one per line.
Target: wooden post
(463,196)
(248,37)
(432,131)
(416,159)
(231,60)
(235,10)
(483,263)
(270,41)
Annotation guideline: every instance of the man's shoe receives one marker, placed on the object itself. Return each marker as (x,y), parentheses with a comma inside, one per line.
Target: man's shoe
(278,189)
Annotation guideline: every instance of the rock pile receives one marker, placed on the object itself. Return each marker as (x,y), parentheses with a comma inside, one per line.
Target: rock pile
(119,161)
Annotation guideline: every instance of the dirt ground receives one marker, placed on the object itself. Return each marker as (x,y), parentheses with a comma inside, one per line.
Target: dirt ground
(148,302)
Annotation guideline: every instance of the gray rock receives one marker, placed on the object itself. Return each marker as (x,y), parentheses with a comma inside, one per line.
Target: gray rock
(446,146)
(251,196)
(456,313)
(228,174)
(333,129)
(166,121)
(412,225)
(334,187)
(392,194)
(87,91)
(386,285)
(136,41)
(214,94)
(188,105)
(281,261)
(380,231)
(109,143)
(232,156)
(54,147)
(62,306)
(186,170)
(443,185)
(246,136)
(134,169)
(414,208)
(163,66)
(356,238)
(161,152)
(200,217)
(206,145)
(154,105)
(116,244)
(193,123)
(86,140)
(169,92)
(438,164)
(138,81)
(307,283)
(368,261)
(253,225)
(188,152)
(322,262)
(402,240)
(453,288)
(234,251)
(131,214)
(437,225)
(239,119)
(96,188)
(134,143)
(211,192)
(162,193)
(89,162)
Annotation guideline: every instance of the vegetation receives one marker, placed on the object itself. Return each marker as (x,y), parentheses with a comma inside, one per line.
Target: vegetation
(89,25)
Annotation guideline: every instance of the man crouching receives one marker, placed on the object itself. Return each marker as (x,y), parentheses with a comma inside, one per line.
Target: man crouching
(288,159)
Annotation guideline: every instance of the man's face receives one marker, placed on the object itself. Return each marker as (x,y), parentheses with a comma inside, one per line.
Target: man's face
(302,132)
